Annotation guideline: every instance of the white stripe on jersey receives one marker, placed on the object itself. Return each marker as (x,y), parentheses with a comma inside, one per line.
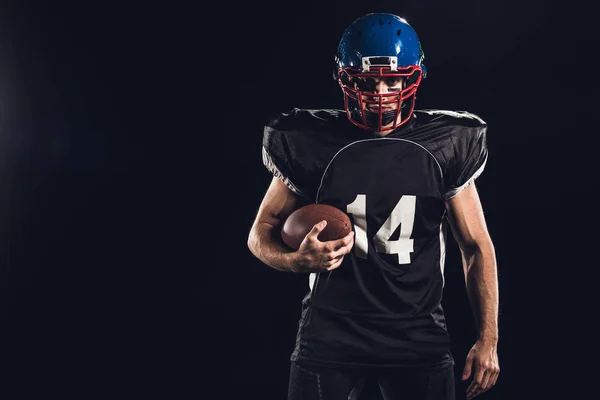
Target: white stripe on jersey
(457,190)
(268,162)
(442,250)
(311,280)
(369,140)
(455,114)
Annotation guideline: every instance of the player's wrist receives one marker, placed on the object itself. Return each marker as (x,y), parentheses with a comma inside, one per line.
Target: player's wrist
(488,338)
(291,262)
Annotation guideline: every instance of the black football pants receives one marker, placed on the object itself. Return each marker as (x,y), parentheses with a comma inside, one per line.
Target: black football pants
(317,383)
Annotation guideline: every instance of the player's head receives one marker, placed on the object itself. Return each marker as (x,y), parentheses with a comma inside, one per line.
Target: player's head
(379,66)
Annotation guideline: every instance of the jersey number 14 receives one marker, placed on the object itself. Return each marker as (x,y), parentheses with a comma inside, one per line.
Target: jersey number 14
(402,215)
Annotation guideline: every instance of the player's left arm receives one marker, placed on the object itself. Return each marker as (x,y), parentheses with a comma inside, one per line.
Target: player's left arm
(467,221)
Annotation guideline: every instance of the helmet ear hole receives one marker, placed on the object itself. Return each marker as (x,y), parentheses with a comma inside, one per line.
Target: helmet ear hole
(413,78)
(345,78)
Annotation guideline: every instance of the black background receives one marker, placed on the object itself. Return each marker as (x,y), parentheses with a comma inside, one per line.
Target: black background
(131,172)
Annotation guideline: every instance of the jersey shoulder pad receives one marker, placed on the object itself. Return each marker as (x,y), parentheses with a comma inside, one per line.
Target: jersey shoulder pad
(294,142)
(464,151)
(303,119)
(451,117)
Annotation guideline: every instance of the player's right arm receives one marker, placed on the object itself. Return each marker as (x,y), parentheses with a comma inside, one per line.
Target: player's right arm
(264,239)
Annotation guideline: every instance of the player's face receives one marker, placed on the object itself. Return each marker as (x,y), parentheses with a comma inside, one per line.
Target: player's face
(388,87)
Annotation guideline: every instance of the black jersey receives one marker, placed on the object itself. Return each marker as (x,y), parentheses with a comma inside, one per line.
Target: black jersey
(382,306)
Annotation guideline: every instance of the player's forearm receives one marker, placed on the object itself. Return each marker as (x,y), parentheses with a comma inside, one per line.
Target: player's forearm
(265,243)
(482,288)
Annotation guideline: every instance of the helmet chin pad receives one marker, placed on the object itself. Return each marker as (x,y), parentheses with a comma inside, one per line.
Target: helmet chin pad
(387,117)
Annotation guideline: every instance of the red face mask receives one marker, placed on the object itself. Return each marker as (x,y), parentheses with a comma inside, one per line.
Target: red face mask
(373,111)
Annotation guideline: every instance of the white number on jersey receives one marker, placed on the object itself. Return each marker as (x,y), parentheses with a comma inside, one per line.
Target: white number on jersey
(402,215)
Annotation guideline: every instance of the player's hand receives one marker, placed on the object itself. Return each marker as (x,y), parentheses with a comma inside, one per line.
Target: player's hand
(314,255)
(482,364)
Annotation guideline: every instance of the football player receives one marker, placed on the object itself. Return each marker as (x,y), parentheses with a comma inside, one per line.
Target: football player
(372,321)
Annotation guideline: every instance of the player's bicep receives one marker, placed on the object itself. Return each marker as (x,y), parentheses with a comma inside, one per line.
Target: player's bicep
(466,218)
(278,203)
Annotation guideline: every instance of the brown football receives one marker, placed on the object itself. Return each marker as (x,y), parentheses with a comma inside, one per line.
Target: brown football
(301,221)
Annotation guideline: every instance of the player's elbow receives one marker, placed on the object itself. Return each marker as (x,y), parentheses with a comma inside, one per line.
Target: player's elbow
(468,248)
(252,241)
(478,246)
(255,237)
(249,242)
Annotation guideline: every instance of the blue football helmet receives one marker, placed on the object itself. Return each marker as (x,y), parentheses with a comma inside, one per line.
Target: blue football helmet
(379,46)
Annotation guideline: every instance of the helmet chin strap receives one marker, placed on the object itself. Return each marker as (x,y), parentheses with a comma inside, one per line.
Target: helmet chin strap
(387,117)
(372,118)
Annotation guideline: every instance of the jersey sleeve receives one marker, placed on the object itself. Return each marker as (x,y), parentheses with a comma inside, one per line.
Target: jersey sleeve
(277,154)
(470,155)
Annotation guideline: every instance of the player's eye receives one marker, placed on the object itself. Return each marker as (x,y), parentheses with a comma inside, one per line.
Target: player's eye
(395,84)
(365,84)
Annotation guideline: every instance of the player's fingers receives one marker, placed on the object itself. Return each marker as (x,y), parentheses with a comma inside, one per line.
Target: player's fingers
(342,242)
(492,370)
(349,235)
(468,366)
(336,264)
(485,381)
(479,390)
(336,260)
(494,377)
(316,230)
(471,390)
(342,250)
(476,384)
(335,257)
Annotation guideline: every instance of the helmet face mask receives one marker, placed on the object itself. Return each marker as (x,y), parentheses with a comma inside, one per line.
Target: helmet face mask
(372,110)
(379,48)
